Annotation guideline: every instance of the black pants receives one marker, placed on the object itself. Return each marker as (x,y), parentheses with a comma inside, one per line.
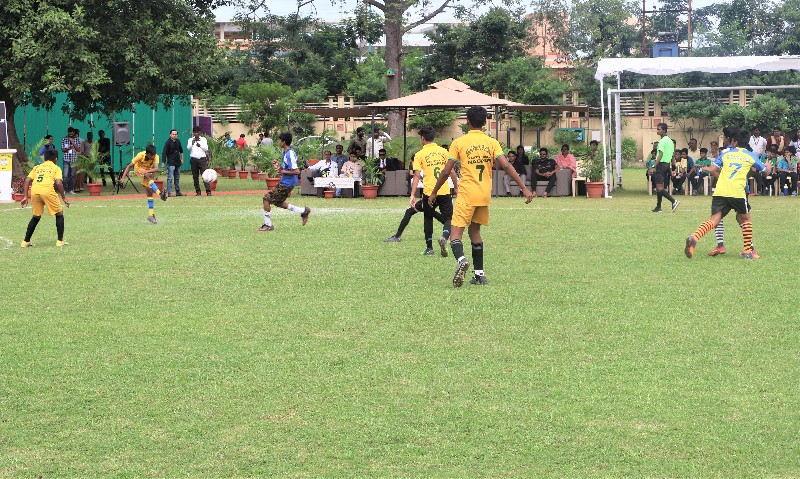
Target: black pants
(787,179)
(199,165)
(677,182)
(110,167)
(551,182)
(445,205)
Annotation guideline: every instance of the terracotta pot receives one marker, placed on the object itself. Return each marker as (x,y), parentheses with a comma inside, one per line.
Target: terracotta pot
(94,188)
(370,192)
(273,182)
(219,171)
(312,162)
(231,173)
(213,185)
(329,193)
(224,172)
(159,184)
(17,197)
(243,174)
(594,189)
(254,175)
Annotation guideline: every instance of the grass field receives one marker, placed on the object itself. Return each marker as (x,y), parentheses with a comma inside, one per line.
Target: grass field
(199,347)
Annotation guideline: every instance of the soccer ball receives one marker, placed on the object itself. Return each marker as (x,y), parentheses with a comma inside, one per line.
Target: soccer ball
(209,176)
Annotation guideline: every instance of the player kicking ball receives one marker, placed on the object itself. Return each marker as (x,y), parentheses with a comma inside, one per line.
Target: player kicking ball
(733,166)
(428,162)
(40,191)
(144,165)
(290,174)
(477,153)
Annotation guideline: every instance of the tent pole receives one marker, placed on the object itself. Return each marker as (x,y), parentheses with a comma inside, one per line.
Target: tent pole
(611,130)
(618,135)
(371,135)
(405,134)
(520,128)
(603,124)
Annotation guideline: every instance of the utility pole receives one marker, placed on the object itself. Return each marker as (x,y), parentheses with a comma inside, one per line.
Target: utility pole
(655,9)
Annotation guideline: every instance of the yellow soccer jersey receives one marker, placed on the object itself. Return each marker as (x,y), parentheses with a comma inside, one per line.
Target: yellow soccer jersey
(43,177)
(140,162)
(431,160)
(734,166)
(476,151)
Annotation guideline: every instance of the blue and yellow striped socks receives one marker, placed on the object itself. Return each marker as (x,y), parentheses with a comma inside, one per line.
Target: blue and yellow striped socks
(154,187)
(150,206)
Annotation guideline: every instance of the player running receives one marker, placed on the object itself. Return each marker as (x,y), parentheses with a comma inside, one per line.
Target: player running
(289,179)
(477,153)
(429,162)
(734,166)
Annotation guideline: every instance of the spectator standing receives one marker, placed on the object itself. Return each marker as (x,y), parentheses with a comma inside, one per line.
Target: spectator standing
(86,150)
(264,140)
(544,169)
(778,139)
(173,157)
(713,150)
(198,159)
(227,140)
(241,142)
(47,146)
(758,144)
(71,147)
(376,143)
(796,142)
(651,164)
(566,160)
(358,141)
(104,149)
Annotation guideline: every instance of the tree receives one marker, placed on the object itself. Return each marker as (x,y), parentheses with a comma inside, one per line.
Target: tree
(265,106)
(105,54)
(367,82)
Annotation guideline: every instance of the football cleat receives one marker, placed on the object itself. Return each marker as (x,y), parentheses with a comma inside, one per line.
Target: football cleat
(152,219)
(163,195)
(461,270)
(428,252)
(717,250)
(26,244)
(691,243)
(480,280)
(304,216)
(61,243)
(265,228)
(675,205)
(393,239)
(443,246)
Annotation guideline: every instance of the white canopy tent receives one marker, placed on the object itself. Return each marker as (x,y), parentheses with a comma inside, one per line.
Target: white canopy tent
(674,66)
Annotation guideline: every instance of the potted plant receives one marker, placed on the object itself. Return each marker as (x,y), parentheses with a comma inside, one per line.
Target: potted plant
(87,164)
(220,156)
(264,158)
(371,178)
(593,170)
(18,189)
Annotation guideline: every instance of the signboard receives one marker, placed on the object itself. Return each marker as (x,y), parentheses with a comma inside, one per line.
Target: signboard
(5,175)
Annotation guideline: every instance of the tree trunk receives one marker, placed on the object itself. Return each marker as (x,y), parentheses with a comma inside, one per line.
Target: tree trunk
(21,156)
(393,29)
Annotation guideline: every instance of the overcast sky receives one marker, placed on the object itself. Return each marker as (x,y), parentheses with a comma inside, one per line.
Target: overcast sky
(324,9)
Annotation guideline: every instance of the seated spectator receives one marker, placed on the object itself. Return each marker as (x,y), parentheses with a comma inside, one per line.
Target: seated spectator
(544,169)
(651,164)
(358,153)
(353,168)
(381,164)
(324,168)
(521,155)
(519,167)
(697,173)
(769,174)
(241,143)
(713,150)
(796,142)
(339,157)
(787,171)
(566,161)
(680,164)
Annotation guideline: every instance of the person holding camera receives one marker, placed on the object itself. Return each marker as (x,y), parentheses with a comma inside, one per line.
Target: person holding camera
(198,159)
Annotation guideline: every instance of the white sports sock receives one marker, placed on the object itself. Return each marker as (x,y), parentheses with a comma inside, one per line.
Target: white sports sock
(267,219)
(295,209)
(459,259)
(478,272)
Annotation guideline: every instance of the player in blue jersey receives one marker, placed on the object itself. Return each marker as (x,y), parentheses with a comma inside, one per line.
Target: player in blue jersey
(734,166)
(289,178)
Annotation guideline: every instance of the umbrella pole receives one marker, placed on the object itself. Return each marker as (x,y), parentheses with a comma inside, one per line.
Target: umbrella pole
(520,127)
(405,132)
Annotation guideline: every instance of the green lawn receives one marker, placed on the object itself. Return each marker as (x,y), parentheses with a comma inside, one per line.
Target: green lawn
(199,347)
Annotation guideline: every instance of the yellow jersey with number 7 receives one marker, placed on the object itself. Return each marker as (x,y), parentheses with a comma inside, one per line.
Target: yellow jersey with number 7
(734,167)
(477,152)
(431,160)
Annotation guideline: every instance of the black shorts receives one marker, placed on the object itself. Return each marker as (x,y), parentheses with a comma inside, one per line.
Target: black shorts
(661,173)
(725,204)
(444,202)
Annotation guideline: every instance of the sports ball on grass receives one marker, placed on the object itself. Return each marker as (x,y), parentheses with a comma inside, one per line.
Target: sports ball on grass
(209,176)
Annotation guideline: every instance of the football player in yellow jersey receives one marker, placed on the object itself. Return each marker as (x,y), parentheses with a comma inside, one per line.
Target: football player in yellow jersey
(730,194)
(430,161)
(144,165)
(40,190)
(477,153)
